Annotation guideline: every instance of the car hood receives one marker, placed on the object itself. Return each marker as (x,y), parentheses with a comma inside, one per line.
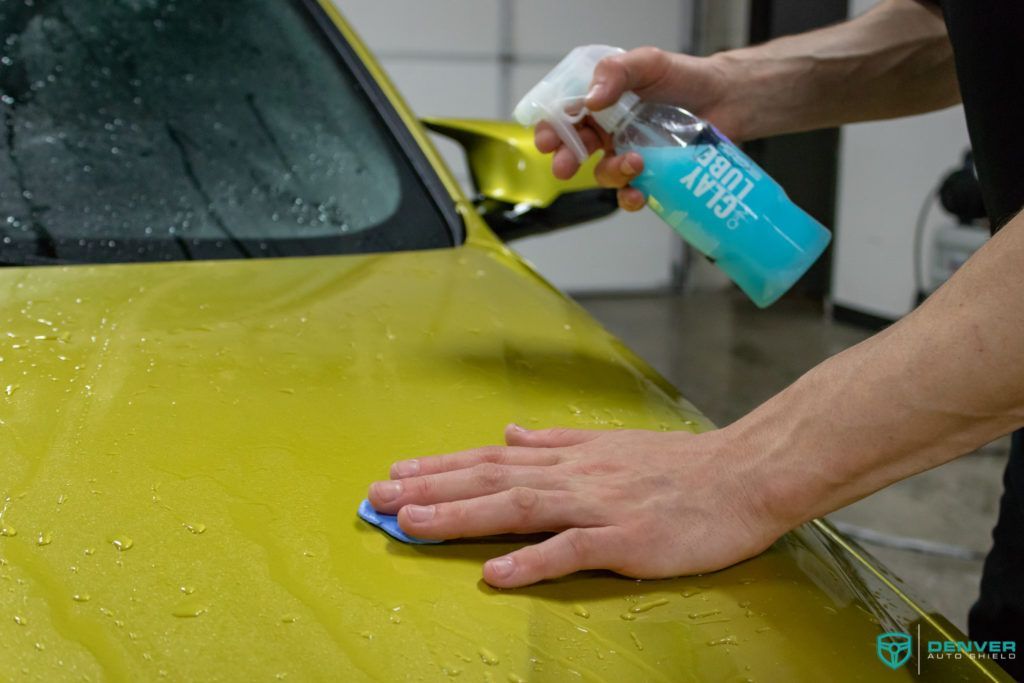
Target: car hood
(185,446)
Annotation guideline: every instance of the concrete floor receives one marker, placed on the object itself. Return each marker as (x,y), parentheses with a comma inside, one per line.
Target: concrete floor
(727,357)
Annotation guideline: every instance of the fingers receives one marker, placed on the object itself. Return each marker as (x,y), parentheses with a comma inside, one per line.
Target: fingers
(545,138)
(519,510)
(565,164)
(472,482)
(636,70)
(548,438)
(620,170)
(570,551)
(498,455)
(631,199)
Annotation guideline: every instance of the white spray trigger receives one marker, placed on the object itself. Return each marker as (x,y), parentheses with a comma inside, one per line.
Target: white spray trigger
(562,91)
(576,118)
(566,130)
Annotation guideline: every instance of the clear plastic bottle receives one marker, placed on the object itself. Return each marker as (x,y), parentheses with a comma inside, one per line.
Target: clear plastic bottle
(694,178)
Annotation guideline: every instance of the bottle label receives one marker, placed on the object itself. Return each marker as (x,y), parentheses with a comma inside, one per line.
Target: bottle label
(721,179)
(730,210)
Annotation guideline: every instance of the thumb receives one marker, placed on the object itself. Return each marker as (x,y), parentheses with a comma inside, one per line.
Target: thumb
(638,69)
(548,438)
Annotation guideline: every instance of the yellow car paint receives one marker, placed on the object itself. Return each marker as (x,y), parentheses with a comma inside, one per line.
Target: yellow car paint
(191,440)
(185,445)
(505,163)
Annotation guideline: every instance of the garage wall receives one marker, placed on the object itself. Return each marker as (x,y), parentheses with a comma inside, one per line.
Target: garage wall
(886,171)
(476,58)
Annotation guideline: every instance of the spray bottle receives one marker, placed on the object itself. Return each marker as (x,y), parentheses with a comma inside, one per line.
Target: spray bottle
(694,178)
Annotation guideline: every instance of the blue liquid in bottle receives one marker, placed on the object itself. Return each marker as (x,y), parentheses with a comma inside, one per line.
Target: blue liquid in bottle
(741,219)
(726,206)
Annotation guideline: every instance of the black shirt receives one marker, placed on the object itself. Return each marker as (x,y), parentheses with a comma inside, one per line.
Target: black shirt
(988,46)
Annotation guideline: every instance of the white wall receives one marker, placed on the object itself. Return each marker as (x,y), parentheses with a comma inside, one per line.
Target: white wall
(476,58)
(886,171)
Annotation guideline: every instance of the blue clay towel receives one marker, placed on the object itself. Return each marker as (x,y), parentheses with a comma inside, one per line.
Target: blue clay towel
(388,524)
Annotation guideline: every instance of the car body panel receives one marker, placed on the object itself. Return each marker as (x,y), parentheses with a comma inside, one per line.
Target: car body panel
(506,165)
(226,417)
(185,446)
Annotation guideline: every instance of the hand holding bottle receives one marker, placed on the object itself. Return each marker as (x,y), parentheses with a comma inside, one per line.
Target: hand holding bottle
(698,84)
(689,172)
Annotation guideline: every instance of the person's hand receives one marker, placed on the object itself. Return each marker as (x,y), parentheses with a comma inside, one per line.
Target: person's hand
(643,504)
(698,84)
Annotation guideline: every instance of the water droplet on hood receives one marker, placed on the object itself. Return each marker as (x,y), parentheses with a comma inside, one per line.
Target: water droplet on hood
(648,606)
(122,543)
(728,640)
(703,615)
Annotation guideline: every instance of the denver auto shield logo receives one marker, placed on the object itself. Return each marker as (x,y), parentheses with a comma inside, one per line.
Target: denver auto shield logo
(893,648)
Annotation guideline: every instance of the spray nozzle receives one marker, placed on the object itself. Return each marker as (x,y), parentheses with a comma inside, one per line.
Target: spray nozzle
(558,97)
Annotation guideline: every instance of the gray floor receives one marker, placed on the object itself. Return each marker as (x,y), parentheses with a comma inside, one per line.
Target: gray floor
(727,356)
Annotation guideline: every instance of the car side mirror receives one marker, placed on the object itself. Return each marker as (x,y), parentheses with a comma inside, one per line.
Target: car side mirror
(516,193)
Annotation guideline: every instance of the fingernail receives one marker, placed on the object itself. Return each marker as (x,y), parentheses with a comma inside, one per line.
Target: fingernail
(516,428)
(627,167)
(595,91)
(387,491)
(420,513)
(502,566)
(405,468)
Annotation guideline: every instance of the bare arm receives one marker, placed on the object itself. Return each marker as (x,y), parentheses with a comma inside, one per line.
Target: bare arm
(894,60)
(938,384)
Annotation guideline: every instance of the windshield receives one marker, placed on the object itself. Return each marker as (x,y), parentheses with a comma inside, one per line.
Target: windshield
(143,130)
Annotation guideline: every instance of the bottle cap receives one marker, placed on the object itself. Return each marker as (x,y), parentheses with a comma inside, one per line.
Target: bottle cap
(610,117)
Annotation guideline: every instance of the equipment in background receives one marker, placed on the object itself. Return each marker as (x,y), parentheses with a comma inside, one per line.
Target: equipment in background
(940,250)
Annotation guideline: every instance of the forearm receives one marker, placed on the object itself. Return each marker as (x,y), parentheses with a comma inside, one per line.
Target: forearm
(894,60)
(940,383)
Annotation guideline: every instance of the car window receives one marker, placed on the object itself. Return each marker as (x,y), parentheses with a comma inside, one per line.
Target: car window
(139,130)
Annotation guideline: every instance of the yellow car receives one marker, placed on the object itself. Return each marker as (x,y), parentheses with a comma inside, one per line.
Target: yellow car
(238,283)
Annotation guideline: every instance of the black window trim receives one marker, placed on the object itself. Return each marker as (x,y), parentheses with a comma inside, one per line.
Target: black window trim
(424,170)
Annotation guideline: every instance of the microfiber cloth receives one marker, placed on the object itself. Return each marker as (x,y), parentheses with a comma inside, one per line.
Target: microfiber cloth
(388,523)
